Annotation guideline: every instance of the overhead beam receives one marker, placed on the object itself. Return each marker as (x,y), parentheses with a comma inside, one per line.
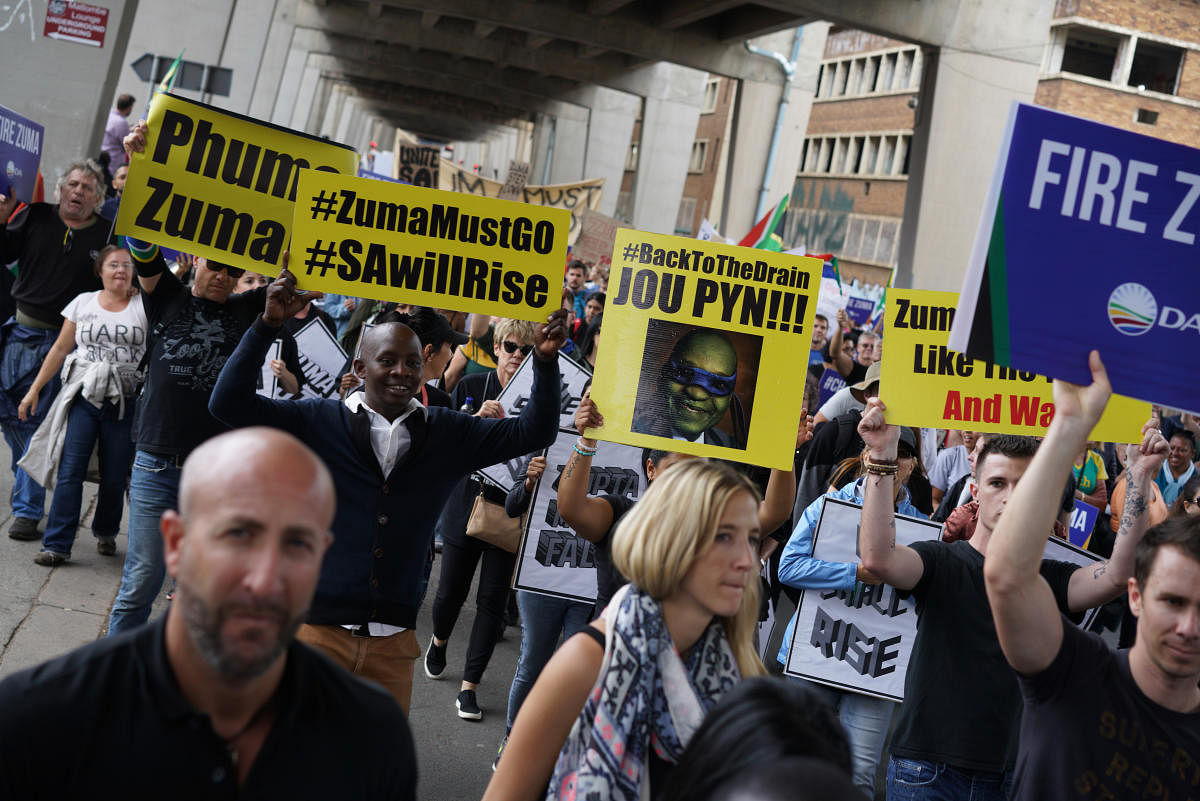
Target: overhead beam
(735,26)
(674,14)
(601,7)
(483,30)
(429,19)
(535,40)
(625,33)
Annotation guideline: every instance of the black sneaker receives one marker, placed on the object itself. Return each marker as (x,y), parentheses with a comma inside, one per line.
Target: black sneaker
(435,660)
(468,708)
(24,528)
(106,546)
(51,558)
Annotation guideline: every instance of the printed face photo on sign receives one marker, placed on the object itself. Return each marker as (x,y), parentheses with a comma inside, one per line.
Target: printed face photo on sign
(697,384)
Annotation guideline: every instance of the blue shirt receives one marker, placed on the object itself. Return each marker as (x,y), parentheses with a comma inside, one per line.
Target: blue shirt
(798,568)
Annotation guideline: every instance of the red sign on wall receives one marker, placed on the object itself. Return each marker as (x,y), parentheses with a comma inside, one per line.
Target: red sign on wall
(76,22)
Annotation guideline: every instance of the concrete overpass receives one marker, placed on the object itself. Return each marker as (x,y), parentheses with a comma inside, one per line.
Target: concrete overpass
(560,83)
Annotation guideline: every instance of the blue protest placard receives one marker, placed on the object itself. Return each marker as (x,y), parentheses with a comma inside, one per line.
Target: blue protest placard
(831,382)
(20,153)
(859,310)
(1083,520)
(1088,240)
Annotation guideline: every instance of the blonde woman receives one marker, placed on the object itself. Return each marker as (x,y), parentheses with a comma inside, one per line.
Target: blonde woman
(613,710)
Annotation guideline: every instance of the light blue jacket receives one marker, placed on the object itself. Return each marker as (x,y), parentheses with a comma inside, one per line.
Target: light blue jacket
(798,568)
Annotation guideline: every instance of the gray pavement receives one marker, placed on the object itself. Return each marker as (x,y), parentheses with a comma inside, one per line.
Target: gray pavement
(45,612)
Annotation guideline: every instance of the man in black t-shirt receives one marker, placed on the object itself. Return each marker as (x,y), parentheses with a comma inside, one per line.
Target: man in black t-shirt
(219,694)
(1100,723)
(192,334)
(955,735)
(55,247)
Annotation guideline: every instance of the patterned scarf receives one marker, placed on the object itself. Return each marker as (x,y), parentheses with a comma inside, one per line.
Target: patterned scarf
(645,697)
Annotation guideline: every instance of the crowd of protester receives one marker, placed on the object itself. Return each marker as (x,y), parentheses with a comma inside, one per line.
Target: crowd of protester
(294,526)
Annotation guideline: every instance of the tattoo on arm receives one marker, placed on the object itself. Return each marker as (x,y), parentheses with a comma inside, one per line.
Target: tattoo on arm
(1135,507)
(574,460)
(892,539)
(1100,570)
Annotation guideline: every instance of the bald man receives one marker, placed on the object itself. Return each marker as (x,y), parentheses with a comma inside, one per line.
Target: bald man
(218,693)
(697,383)
(394,464)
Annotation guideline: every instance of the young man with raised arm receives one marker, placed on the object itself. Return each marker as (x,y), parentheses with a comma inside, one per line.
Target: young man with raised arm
(1100,723)
(956,732)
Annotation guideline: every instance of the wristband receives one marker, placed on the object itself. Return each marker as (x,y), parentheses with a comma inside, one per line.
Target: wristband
(583,450)
(884,467)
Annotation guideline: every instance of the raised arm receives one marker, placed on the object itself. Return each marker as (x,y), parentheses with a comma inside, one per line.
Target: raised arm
(590,517)
(897,565)
(841,362)
(776,506)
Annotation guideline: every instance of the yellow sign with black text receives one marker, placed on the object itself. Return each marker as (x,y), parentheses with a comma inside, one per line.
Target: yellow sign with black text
(375,239)
(220,185)
(698,352)
(925,384)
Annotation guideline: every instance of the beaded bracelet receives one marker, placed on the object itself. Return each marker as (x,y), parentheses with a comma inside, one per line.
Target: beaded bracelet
(886,467)
(584,451)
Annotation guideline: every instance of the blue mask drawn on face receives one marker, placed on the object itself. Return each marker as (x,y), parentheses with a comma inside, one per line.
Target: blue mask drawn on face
(712,383)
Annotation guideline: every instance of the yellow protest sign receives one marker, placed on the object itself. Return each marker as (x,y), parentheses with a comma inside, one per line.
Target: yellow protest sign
(375,239)
(925,384)
(220,185)
(698,352)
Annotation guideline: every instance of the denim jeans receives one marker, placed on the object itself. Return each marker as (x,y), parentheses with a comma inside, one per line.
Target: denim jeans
(153,488)
(85,425)
(917,780)
(867,721)
(24,351)
(543,619)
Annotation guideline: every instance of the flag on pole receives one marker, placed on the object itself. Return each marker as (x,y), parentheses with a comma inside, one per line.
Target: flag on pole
(760,234)
(167,83)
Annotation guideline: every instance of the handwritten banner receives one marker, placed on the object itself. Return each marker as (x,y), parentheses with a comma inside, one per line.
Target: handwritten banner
(925,384)
(216,184)
(418,165)
(371,239)
(553,559)
(714,329)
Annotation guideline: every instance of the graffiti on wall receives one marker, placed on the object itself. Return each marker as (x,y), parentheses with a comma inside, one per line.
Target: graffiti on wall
(817,217)
(20,13)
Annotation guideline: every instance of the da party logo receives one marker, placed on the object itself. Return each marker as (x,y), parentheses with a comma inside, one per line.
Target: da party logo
(1133,310)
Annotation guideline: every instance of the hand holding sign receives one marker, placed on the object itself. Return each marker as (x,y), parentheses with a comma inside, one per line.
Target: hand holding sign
(1147,457)
(882,439)
(283,299)
(1081,406)
(587,416)
(550,336)
(135,140)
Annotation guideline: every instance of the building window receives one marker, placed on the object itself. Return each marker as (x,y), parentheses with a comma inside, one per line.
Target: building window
(1090,52)
(699,155)
(871,240)
(1155,67)
(710,95)
(631,158)
(1146,116)
(686,216)
(863,75)
(866,155)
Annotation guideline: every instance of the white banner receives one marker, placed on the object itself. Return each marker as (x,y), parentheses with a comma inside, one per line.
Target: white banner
(860,640)
(515,395)
(267,382)
(552,559)
(321,359)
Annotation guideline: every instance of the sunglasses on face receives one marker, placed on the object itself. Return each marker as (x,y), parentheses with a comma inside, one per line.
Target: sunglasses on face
(712,383)
(234,272)
(511,347)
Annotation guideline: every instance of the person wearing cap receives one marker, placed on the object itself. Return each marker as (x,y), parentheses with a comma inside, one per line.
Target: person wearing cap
(852,398)
(865,718)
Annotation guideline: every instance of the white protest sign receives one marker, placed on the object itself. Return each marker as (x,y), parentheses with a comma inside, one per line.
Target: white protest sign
(860,640)
(515,395)
(267,381)
(552,559)
(857,640)
(321,360)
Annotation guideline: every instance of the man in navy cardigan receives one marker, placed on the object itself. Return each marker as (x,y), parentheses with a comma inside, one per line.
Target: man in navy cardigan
(394,463)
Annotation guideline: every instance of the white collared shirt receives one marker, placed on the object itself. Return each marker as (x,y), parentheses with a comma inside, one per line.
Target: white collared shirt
(389,439)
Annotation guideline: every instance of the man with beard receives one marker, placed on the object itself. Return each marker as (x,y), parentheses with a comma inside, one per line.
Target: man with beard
(697,384)
(217,694)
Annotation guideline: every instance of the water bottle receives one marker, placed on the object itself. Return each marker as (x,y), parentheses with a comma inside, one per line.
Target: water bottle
(468,407)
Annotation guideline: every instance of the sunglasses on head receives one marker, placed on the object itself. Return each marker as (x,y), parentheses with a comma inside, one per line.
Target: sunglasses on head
(513,347)
(712,383)
(234,272)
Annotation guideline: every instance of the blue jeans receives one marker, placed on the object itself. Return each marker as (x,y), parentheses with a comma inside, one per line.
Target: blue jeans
(917,780)
(867,721)
(543,619)
(153,489)
(85,425)
(24,351)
